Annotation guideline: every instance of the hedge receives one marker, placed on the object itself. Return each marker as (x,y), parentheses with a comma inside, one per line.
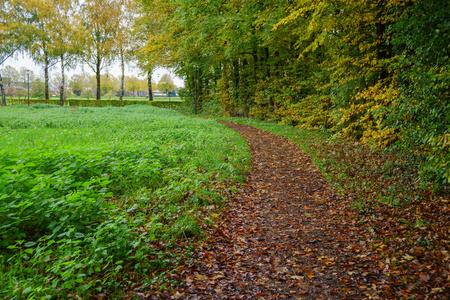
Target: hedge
(176,104)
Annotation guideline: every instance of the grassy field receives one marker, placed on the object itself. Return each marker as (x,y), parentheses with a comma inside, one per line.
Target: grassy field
(90,196)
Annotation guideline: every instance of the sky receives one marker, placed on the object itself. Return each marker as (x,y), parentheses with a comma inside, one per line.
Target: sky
(25,61)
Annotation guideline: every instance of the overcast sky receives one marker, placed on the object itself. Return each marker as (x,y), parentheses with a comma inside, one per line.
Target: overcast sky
(25,61)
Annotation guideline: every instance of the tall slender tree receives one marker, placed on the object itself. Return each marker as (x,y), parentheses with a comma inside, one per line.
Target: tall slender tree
(16,31)
(124,38)
(153,37)
(100,20)
(66,30)
(41,40)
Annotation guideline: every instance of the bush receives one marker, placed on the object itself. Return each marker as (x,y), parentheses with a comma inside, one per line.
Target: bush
(176,104)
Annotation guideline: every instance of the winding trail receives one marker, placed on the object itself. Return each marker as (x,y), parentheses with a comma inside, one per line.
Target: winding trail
(285,237)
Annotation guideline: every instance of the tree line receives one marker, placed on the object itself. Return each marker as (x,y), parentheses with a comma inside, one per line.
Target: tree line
(69,32)
(17,84)
(374,70)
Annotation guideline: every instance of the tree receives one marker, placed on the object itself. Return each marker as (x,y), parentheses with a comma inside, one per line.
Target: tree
(15,27)
(38,88)
(40,40)
(26,76)
(66,30)
(56,82)
(50,27)
(2,91)
(133,84)
(10,90)
(88,94)
(109,84)
(124,33)
(79,83)
(10,77)
(166,83)
(100,20)
(15,32)
(153,37)
(21,93)
(11,73)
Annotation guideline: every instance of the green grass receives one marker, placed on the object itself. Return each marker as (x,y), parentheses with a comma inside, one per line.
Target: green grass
(91,197)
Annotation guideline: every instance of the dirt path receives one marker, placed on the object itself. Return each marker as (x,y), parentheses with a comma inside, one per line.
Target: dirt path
(285,237)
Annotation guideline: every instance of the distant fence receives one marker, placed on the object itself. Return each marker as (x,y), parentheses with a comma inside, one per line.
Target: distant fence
(174,104)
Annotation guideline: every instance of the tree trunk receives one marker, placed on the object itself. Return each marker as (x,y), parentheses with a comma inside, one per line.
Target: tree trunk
(47,62)
(277,74)
(236,81)
(150,90)
(267,68)
(245,87)
(383,49)
(61,90)
(2,91)
(122,80)
(97,75)
(255,65)
(200,88)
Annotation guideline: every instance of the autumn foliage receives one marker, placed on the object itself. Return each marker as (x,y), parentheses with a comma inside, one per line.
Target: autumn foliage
(377,71)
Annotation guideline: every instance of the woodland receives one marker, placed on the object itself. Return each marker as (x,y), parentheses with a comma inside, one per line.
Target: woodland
(351,203)
(376,71)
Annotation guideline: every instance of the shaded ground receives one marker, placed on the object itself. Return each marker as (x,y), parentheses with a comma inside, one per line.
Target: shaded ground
(288,237)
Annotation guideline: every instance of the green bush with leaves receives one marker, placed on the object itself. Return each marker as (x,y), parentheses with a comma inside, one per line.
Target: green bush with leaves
(165,103)
(85,191)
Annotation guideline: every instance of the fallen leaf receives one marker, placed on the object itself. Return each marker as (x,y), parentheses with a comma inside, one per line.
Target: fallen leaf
(408,257)
(424,277)
(200,277)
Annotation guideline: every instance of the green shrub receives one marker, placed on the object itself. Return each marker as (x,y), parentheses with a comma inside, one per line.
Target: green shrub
(99,103)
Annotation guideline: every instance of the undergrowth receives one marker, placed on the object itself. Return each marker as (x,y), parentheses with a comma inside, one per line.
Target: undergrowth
(99,200)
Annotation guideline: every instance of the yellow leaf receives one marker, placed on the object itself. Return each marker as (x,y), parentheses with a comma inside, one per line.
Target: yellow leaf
(408,257)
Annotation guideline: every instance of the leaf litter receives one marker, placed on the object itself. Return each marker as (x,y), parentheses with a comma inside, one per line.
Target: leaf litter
(289,236)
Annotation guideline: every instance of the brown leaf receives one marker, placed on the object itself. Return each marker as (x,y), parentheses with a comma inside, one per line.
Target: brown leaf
(424,277)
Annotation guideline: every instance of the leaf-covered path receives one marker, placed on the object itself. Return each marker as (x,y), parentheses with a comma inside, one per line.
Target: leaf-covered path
(284,237)
(287,236)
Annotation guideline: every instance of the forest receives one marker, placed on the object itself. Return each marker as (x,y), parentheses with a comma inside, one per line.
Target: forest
(374,70)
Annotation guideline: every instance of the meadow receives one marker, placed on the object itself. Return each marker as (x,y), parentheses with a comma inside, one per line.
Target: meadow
(91,197)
